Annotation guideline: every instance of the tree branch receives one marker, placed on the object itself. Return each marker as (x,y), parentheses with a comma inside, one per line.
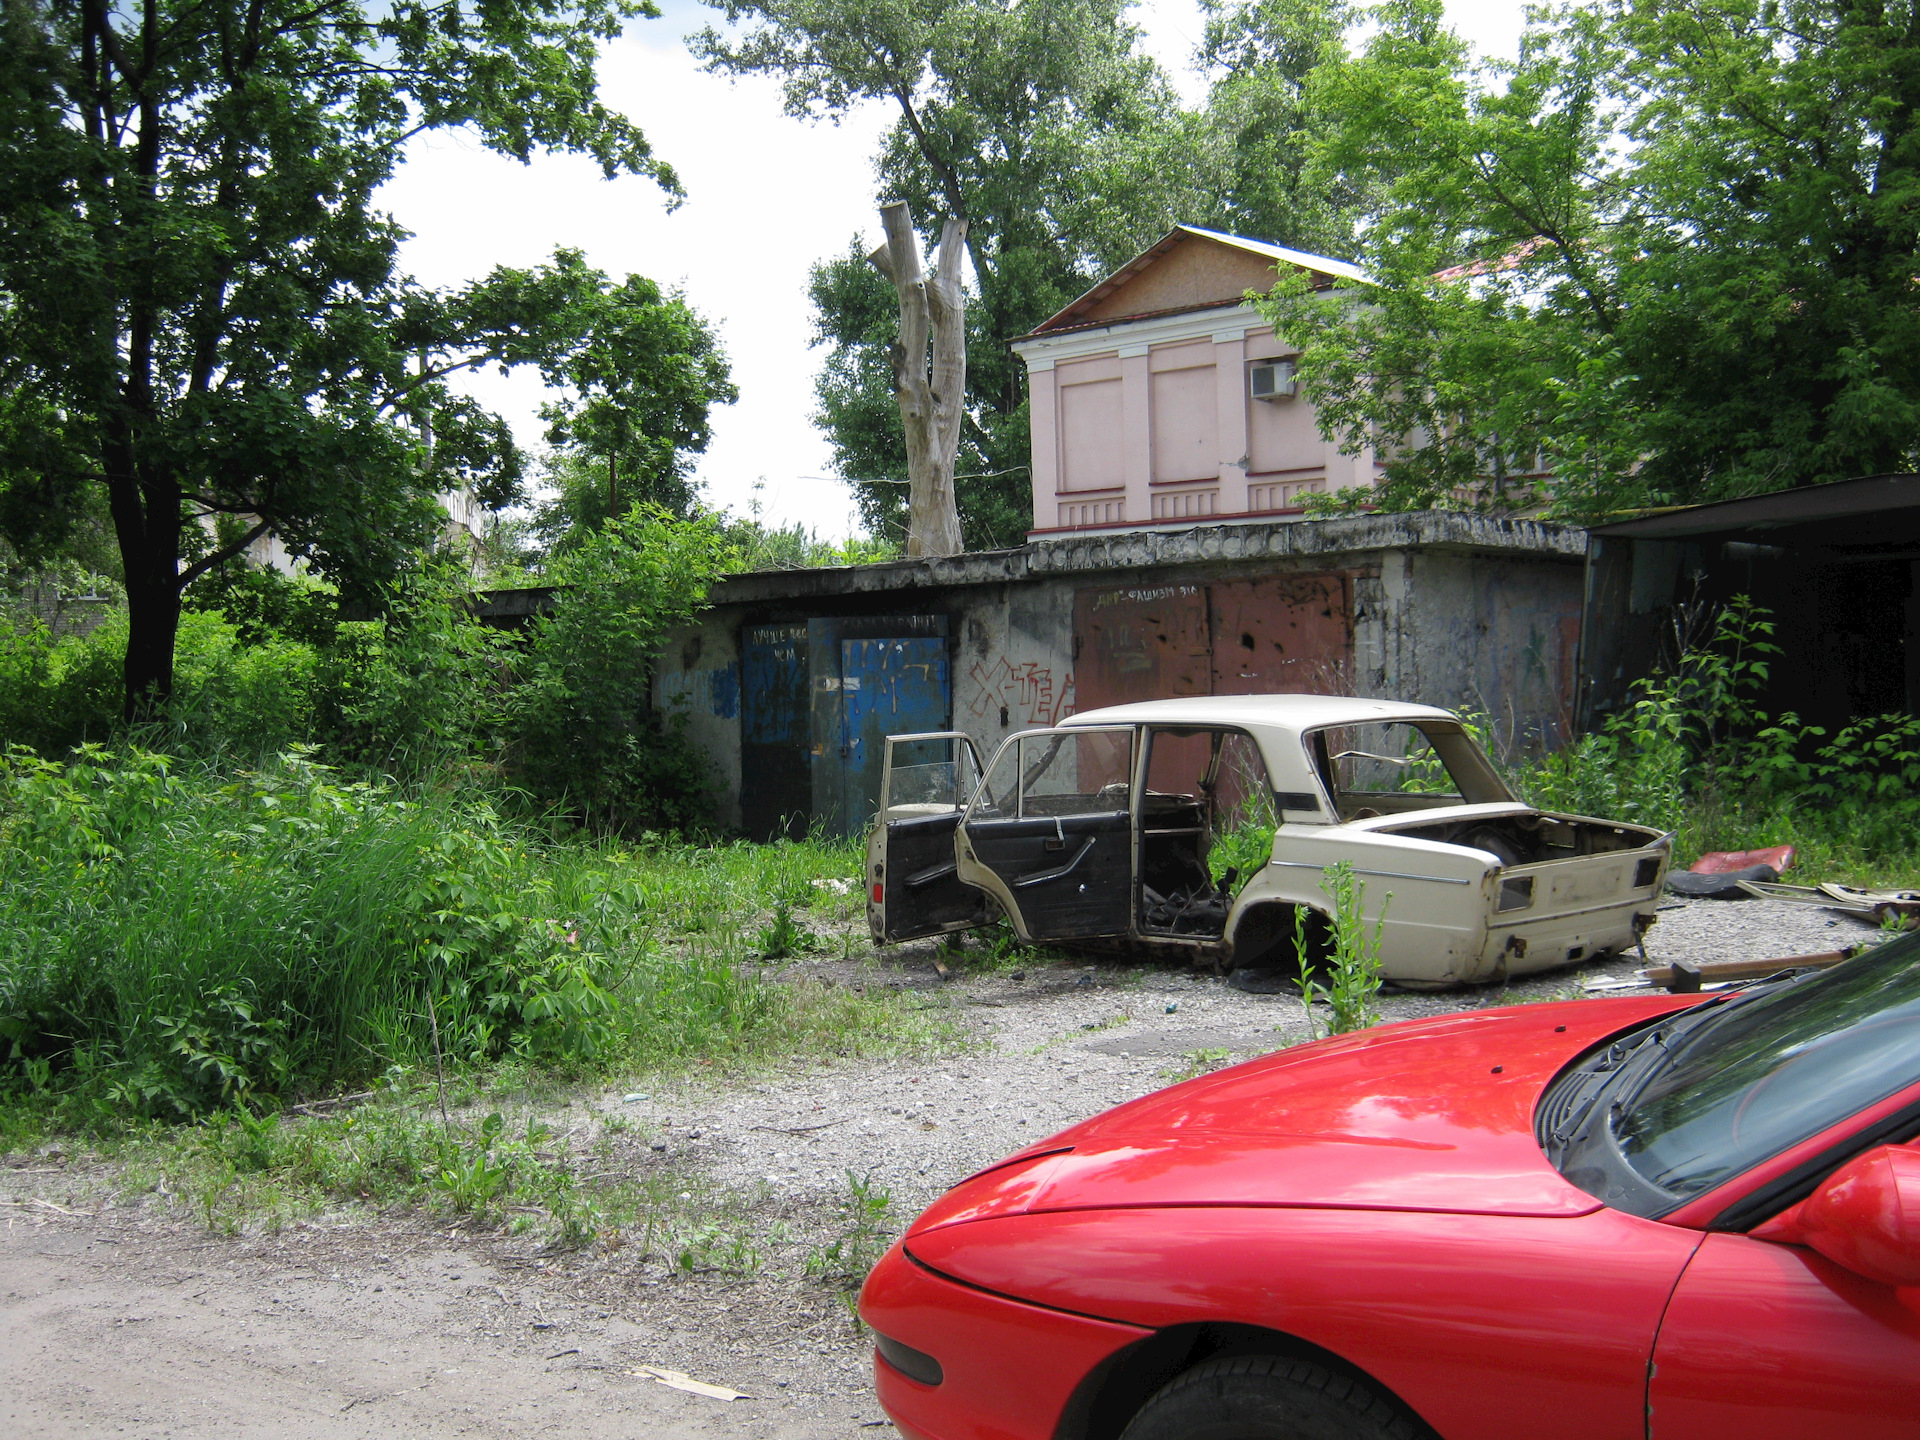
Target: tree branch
(219,557)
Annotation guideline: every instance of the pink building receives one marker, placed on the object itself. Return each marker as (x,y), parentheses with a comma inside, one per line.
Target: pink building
(1160,397)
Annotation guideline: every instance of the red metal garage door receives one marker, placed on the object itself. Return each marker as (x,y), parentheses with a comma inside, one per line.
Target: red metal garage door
(1234,637)
(1282,633)
(1144,644)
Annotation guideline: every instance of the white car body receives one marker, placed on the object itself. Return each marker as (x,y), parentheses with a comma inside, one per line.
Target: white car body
(1071,830)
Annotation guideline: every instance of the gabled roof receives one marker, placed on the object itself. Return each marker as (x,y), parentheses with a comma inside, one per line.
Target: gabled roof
(1088,309)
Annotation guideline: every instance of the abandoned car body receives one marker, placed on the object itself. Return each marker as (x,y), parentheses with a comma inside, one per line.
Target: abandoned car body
(1111,830)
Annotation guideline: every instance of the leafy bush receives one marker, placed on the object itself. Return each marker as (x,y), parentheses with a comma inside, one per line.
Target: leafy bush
(1693,754)
(416,689)
(1353,969)
(183,943)
(579,728)
(229,696)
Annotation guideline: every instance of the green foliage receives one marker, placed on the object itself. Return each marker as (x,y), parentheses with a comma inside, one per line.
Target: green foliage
(175,941)
(231,696)
(579,727)
(865,1213)
(639,384)
(784,936)
(203,314)
(1685,732)
(1353,969)
(416,689)
(1692,754)
(1247,848)
(758,546)
(1263,114)
(1064,147)
(1667,250)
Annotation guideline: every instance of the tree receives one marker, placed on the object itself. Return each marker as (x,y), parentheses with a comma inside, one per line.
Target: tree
(1040,124)
(632,407)
(203,316)
(929,374)
(1264,114)
(1669,251)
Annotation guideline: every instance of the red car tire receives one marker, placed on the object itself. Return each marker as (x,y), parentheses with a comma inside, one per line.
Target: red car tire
(1267,1397)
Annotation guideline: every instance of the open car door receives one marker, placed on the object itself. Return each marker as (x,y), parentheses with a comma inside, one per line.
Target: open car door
(912,886)
(1049,834)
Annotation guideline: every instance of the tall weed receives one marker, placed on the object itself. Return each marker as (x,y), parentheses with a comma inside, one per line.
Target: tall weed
(176,941)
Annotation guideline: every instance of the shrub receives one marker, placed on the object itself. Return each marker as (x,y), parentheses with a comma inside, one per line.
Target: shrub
(418,688)
(182,942)
(229,696)
(578,727)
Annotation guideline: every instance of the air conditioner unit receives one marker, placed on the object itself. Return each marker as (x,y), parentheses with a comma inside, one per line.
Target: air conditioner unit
(1273,381)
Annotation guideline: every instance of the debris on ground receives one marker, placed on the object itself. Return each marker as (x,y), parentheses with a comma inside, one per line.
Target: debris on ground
(1683,977)
(1882,907)
(677,1380)
(1719,862)
(1719,884)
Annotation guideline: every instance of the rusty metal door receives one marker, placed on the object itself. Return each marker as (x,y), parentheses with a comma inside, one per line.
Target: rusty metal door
(1282,633)
(1141,644)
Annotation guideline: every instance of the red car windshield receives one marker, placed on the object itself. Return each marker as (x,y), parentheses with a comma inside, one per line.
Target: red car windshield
(1681,1104)
(1775,1068)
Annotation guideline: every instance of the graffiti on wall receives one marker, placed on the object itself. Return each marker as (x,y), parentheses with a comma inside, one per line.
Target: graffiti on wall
(704,692)
(1018,693)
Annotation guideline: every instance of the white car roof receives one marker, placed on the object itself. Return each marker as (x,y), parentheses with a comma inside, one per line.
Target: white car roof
(1297,713)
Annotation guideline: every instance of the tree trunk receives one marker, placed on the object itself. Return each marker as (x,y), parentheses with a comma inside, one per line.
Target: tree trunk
(931,387)
(146,522)
(153,621)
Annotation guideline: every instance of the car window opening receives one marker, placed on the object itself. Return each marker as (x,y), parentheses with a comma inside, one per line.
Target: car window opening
(1206,819)
(1399,767)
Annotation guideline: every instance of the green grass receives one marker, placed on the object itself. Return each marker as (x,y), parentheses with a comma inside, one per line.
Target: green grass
(561,1175)
(176,943)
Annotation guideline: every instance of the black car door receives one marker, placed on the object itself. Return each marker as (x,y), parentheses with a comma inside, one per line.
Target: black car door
(912,885)
(1050,833)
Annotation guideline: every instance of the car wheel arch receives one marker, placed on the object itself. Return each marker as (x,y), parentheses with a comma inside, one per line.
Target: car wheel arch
(1267,926)
(1114,1390)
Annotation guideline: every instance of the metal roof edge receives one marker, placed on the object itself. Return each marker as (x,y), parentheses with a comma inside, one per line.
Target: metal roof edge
(1862,495)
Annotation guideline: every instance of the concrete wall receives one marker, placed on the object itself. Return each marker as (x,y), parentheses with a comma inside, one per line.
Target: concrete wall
(1449,609)
(698,680)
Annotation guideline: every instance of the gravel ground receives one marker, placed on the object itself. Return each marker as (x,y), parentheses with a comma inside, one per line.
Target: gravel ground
(362,1324)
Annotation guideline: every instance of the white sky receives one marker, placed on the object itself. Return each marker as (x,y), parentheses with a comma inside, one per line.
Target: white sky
(767,197)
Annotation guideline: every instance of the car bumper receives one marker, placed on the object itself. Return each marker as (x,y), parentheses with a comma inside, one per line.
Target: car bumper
(1008,1369)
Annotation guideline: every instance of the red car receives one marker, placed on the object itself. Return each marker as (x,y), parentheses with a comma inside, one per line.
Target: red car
(1664,1216)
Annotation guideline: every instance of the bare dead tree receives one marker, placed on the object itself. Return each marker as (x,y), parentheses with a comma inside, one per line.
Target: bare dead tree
(929,374)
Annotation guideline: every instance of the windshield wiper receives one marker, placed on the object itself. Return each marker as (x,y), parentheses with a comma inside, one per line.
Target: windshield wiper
(1668,1043)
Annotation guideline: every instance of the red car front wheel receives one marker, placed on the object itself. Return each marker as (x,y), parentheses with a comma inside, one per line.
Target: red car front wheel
(1266,1397)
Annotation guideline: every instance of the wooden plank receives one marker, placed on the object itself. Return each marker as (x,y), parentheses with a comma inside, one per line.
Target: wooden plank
(1711,970)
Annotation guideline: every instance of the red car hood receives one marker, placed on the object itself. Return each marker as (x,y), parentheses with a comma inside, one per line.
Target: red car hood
(1421,1115)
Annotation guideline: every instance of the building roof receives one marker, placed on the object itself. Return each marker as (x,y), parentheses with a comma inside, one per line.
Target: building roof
(1845,508)
(1324,270)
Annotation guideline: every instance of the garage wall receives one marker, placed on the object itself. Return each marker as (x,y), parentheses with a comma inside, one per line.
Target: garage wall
(1056,629)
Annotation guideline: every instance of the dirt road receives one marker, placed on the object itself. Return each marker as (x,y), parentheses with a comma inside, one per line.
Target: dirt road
(119,1316)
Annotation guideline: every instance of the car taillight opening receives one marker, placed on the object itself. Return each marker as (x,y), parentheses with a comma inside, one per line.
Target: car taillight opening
(912,1363)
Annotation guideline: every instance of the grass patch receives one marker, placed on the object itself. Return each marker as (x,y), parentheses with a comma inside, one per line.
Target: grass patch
(181,943)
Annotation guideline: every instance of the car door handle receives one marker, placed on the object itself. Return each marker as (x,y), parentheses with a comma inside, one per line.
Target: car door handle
(1040,877)
(931,874)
